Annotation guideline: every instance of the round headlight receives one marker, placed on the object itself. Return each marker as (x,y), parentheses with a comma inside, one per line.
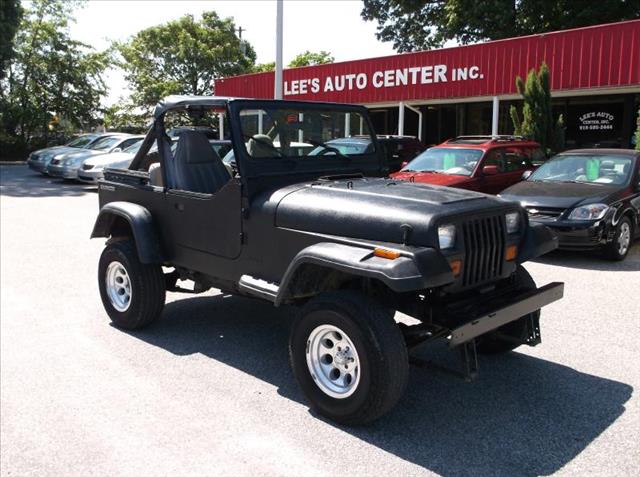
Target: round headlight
(513,222)
(446,236)
(589,212)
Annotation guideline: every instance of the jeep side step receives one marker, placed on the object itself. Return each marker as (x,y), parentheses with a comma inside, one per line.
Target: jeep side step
(258,287)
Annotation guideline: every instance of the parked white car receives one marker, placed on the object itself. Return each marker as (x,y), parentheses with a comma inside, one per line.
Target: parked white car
(92,169)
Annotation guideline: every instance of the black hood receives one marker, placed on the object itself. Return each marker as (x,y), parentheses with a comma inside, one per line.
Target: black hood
(559,194)
(375,209)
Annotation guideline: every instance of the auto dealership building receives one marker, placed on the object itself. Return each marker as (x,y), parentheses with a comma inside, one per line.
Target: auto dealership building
(439,94)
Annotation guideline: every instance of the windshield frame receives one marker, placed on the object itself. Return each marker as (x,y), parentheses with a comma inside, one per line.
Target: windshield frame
(371,163)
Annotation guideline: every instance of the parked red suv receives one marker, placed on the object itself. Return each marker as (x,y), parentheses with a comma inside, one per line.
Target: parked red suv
(487,164)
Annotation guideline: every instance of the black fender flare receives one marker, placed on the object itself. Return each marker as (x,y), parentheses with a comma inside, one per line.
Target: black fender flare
(538,240)
(142,226)
(413,270)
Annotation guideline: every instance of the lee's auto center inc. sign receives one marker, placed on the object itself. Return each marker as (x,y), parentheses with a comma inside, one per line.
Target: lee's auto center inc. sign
(583,58)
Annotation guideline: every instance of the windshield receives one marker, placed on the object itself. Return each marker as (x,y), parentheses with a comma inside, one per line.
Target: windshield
(446,161)
(302,133)
(82,141)
(344,146)
(134,147)
(587,168)
(105,143)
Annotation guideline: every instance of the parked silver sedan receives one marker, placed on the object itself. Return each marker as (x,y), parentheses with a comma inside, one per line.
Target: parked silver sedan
(66,166)
(39,160)
(92,169)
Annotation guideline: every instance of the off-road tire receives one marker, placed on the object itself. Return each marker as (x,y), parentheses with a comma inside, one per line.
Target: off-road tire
(612,249)
(490,343)
(147,286)
(383,357)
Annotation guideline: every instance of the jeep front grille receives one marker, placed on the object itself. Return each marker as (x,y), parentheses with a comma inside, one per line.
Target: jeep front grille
(484,242)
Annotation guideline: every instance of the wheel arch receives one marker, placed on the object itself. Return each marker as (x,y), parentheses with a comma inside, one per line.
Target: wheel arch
(331,266)
(122,219)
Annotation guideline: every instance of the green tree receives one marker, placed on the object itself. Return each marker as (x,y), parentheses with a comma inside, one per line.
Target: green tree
(10,15)
(422,24)
(54,83)
(183,56)
(310,59)
(264,67)
(537,116)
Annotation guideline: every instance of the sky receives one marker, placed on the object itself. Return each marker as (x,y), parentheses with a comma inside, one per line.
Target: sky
(334,26)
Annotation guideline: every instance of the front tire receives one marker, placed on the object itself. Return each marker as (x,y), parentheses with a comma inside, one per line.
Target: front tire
(133,293)
(619,247)
(349,357)
(516,331)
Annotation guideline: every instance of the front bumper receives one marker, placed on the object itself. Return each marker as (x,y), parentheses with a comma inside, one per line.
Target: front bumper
(504,311)
(38,166)
(61,171)
(91,176)
(580,235)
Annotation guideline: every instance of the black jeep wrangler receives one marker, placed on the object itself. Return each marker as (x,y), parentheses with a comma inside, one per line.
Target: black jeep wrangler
(323,232)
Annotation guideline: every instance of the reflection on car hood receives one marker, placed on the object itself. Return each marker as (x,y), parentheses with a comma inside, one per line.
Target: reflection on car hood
(376,209)
(559,194)
(81,155)
(431,178)
(105,160)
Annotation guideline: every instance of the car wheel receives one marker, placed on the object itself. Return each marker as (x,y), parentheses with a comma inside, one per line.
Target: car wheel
(516,331)
(133,293)
(619,247)
(349,357)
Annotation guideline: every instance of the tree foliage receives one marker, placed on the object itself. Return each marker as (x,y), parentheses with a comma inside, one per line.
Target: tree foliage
(422,24)
(309,58)
(183,56)
(537,116)
(10,15)
(53,83)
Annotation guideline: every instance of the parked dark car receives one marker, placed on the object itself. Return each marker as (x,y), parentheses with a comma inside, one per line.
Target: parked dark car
(397,149)
(589,197)
(320,233)
(487,164)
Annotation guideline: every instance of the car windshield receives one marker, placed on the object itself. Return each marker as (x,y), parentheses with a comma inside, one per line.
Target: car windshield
(105,143)
(344,146)
(585,168)
(306,132)
(446,161)
(134,147)
(82,141)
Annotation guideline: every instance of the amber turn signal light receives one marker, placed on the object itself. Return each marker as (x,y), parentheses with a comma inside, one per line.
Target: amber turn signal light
(512,253)
(384,253)
(456,267)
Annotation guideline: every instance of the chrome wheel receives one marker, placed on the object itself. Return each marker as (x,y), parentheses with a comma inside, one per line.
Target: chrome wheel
(333,361)
(624,238)
(118,286)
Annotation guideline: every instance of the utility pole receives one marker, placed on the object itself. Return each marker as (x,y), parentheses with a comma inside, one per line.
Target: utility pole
(277,94)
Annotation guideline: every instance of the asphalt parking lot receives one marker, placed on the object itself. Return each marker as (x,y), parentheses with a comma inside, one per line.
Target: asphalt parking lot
(207,390)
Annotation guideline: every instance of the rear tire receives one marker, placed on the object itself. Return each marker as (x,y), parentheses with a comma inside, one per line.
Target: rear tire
(133,293)
(491,343)
(370,342)
(619,247)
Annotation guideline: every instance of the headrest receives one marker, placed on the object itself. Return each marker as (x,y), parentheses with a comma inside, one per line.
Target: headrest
(606,165)
(194,148)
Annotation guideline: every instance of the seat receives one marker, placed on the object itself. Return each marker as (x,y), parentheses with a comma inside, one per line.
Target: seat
(261,145)
(155,175)
(197,167)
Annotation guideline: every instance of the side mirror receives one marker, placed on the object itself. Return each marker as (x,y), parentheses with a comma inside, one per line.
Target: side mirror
(490,170)
(526,175)
(117,149)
